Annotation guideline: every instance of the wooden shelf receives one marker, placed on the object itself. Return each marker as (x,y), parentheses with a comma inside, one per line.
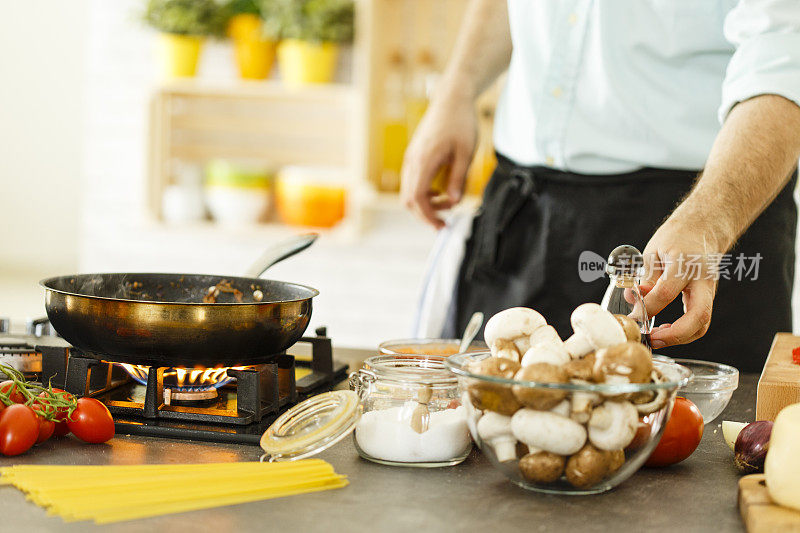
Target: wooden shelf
(239,88)
(337,124)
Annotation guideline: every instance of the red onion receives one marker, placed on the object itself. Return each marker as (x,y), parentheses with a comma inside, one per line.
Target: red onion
(751,446)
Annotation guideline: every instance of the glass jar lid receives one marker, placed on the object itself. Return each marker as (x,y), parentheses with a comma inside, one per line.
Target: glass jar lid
(311,426)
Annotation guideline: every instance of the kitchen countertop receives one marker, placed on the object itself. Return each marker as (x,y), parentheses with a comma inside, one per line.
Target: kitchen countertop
(696,495)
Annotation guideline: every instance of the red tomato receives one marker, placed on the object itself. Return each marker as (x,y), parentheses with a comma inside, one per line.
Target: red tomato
(91,421)
(642,435)
(61,428)
(19,429)
(46,427)
(14,394)
(681,435)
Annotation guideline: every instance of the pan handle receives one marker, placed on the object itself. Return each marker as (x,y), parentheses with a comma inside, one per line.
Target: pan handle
(279,252)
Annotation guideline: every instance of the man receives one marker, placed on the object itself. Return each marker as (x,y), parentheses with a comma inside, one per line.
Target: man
(609,111)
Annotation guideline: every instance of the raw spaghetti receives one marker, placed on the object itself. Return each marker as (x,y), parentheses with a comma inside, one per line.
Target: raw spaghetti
(114,493)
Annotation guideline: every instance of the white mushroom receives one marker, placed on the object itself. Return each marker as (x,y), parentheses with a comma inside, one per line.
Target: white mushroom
(473,415)
(495,430)
(613,425)
(582,403)
(545,353)
(548,431)
(594,328)
(515,325)
(562,409)
(658,399)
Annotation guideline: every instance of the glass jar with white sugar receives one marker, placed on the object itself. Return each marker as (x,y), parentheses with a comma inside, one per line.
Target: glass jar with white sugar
(411,413)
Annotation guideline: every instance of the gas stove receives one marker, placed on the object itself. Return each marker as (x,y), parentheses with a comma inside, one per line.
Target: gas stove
(234,404)
(18,350)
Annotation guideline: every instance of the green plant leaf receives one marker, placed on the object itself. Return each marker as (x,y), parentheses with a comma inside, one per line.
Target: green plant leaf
(308,20)
(186,17)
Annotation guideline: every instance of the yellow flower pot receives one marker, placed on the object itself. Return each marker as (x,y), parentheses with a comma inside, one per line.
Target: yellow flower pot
(304,62)
(178,54)
(254,54)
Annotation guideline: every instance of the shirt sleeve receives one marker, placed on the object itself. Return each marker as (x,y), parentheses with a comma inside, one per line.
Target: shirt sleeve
(766,34)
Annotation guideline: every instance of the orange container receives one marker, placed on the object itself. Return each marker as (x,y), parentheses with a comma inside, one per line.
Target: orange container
(311,196)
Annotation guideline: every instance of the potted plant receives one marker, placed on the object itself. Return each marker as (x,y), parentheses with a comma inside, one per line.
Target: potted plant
(183,25)
(310,33)
(254,52)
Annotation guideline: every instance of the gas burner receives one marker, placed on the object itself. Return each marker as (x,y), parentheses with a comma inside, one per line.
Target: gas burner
(233,404)
(186,379)
(189,394)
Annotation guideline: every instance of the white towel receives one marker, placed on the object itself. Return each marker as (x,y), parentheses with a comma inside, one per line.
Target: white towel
(441,274)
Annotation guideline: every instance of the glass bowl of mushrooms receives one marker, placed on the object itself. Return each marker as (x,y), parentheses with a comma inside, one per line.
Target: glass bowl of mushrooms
(574,417)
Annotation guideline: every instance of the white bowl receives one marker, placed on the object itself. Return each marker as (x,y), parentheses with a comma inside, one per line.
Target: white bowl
(237,206)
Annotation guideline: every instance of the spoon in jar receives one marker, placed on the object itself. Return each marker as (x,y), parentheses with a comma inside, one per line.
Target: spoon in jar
(473,326)
(420,418)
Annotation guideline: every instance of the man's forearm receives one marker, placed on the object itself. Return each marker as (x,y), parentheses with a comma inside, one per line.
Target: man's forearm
(752,158)
(481,53)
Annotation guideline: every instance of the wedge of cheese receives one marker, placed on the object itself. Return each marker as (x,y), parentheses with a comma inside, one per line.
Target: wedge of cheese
(782,466)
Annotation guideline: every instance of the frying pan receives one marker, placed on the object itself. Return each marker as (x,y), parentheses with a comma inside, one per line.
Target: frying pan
(162,319)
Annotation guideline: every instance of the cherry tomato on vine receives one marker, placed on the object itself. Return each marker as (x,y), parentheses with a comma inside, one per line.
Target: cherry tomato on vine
(19,429)
(14,394)
(91,421)
(46,427)
(60,420)
(681,435)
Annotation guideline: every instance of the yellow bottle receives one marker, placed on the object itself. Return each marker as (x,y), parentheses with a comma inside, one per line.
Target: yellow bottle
(484,161)
(393,125)
(422,85)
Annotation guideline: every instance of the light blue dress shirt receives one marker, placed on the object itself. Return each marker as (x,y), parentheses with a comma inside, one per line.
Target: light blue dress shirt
(610,86)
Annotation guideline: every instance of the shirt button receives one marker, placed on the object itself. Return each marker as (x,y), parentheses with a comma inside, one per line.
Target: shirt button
(557,92)
(549,160)
(573,19)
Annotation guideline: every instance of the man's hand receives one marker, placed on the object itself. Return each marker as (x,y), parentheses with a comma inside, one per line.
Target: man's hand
(446,136)
(444,141)
(679,260)
(752,158)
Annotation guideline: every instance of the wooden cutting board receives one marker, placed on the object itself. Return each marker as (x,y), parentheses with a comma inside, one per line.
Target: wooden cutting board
(779,384)
(759,513)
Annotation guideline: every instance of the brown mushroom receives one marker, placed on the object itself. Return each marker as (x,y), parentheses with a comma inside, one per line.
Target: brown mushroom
(540,398)
(629,362)
(505,349)
(615,460)
(587,467)
(582,368)
(541,467)
(630,327)
(493,396)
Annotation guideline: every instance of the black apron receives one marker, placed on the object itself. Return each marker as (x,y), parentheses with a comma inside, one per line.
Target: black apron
(535,222)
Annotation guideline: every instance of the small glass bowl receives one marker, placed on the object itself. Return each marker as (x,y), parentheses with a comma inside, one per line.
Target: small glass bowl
(711,386)
(428,347)
(650,426)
